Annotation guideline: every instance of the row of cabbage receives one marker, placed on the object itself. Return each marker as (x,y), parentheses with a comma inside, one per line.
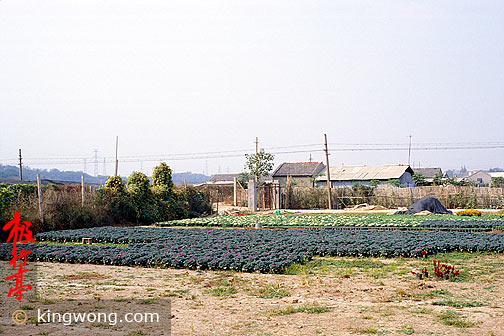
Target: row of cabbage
(342,220)
(247,250)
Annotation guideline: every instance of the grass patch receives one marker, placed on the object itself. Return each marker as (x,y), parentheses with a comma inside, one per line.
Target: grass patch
(147,301)
(221,291)
(408,330)
(451,318)
(271,292)
(421,311)
(137,333)
(324,265)
(458,304)
(310,309)
(27,307)
(435,293)
(177,292)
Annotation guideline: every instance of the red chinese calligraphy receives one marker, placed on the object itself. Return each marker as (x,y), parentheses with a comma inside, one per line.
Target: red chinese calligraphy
(19,233)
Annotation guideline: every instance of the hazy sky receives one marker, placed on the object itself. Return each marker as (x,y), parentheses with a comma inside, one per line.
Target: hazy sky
(171,77)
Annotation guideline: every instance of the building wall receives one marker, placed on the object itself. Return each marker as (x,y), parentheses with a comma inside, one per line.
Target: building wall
(406,180)
(480,178)
(296,181)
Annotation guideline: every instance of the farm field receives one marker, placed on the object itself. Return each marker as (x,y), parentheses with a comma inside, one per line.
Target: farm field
(318,280)
(267,251)
(326,296)
(344,220)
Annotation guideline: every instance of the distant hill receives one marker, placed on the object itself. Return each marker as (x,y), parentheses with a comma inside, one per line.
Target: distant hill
(30,174)
(191,178)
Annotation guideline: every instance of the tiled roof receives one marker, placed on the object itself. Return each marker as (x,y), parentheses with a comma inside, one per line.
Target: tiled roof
(298,169)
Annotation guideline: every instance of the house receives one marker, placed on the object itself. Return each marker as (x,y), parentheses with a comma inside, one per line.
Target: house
(428,173)
(221,179)
(302,174)
(498,176)
(347,176)
(478,177)
(228,179)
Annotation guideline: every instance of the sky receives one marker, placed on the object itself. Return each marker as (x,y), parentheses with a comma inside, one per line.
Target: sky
(185,77)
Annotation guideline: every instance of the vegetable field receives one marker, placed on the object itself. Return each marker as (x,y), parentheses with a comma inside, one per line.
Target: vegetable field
(344,220)
(245,250)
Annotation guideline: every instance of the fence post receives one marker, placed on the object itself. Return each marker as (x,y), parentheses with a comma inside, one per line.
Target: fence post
(39,190)
(252,195)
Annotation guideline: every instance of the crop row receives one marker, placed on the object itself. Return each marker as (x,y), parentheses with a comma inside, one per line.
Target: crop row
(249,250)
(339,220)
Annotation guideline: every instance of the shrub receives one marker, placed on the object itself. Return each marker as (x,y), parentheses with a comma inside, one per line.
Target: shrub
(144,206)
(469,213)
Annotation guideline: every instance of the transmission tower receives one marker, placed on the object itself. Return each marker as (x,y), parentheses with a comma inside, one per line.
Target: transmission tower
(95,162)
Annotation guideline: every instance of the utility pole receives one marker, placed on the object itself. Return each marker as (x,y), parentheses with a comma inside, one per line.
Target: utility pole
(409,150)
(310,158)
(116,161)
(20,166)
(104,168)
(257,159)
(328,174)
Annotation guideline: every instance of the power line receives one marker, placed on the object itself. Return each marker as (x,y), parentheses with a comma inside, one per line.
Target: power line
(240,153)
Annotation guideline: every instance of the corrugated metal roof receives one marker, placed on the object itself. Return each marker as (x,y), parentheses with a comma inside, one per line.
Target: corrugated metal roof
(366,173)
(298,169)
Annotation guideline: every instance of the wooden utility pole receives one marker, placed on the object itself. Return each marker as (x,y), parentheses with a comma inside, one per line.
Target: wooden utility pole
(116,161)
(235,191)
(409,150)
(328,174)
(257,159)
(39,189)
(20,166)
(83,191)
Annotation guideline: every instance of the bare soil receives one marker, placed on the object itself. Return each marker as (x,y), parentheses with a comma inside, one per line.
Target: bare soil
(328,296)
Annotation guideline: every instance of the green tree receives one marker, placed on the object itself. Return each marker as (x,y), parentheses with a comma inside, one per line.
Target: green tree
(394,182)
(374,183)
(497,182)
(162,176)
(138,183)
(115,184)
(114,200)
(259,164)
(437,179)
(243,179)
(142,199)
(171,204)
(419,179)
